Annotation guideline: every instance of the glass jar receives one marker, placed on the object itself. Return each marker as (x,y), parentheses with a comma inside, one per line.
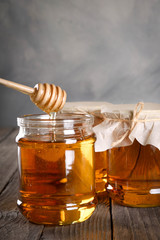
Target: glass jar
(127,151)
(101,163)
(133,172)
(134,175)
(56,167)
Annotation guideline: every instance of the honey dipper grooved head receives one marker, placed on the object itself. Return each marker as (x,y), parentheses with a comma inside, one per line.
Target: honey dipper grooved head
(48,97)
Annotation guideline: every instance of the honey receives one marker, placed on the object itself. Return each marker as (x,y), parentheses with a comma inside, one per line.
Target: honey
(127,157)
(57,184)
(100,169)
(101,175)
(134,175)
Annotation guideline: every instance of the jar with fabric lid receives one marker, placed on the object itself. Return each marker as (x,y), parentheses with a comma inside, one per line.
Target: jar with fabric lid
(131,136)
(56,166)
(100,157)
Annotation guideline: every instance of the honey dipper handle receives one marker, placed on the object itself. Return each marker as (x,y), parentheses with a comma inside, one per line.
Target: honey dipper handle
(19,87)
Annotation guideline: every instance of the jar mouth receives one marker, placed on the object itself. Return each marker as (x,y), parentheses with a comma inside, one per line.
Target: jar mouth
(61,119)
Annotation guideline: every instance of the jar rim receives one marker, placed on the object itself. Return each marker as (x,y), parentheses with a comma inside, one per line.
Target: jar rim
(43,120)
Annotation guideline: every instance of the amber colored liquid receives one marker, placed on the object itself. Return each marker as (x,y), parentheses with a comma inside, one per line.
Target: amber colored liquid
(134,175)
(101,175)
(56,181)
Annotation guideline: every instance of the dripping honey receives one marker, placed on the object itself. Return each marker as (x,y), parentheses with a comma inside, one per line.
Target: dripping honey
(134,175)
(56,180)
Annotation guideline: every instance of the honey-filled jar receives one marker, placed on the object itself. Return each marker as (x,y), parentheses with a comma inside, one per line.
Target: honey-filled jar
(130,134)
(100,156)
(56,168)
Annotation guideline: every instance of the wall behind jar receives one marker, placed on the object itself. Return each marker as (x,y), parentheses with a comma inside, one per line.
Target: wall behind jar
(95,50)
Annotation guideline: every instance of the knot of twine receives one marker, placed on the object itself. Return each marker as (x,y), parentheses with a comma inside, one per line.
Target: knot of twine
(133,122)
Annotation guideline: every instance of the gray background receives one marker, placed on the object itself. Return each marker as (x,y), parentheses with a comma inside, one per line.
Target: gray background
(97,50)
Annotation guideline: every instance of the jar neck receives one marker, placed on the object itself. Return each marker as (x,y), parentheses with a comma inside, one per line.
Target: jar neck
(65,126)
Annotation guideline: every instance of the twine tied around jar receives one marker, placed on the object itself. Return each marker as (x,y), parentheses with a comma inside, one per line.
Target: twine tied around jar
(132,122)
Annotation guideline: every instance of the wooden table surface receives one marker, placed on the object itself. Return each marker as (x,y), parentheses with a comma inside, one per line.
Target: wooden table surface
(109,221)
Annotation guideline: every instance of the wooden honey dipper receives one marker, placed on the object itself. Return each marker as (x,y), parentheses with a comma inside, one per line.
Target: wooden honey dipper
(48,97)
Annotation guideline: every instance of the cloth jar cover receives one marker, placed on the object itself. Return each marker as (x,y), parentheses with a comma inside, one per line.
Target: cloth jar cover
(119,125)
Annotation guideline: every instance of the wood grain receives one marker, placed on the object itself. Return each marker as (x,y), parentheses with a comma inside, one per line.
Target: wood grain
(5,132)
(8,158)
(135,223)
(17,86)
(12,224)
(9,195)
(95,228)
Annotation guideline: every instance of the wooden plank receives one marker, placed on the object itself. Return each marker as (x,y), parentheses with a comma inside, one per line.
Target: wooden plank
(135,223)
(9,196)
(4,132)
(8,158)
(97,227)
(12,224)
